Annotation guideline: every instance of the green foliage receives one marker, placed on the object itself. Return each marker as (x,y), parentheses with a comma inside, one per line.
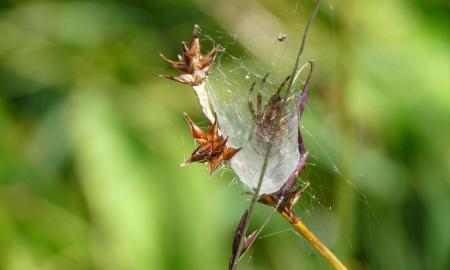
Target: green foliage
(91,138)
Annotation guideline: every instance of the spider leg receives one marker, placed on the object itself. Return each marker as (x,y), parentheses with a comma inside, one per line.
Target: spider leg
(289,99)
(250,103)
(283,120)
(274,105)
(282,85)
(260,113)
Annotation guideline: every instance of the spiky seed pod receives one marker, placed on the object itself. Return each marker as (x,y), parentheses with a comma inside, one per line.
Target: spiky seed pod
(212,147)
(195,68)
(192,64)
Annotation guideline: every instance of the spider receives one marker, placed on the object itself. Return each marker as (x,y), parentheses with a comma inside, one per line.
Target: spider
(265,120)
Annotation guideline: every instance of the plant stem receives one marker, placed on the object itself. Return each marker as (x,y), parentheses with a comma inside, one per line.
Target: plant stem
(312,238)
(202,96)
(270,143)
(302,45)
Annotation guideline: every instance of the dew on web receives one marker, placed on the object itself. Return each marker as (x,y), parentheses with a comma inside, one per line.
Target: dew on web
(233,181)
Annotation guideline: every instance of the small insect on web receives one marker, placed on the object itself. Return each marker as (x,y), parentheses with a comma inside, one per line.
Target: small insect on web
(281,37)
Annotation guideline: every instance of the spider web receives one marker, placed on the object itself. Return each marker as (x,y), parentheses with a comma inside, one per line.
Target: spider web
(228,89)
(236,67)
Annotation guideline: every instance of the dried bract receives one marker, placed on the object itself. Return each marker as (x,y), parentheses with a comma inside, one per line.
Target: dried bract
(248,240)
(212,147)
(194,66)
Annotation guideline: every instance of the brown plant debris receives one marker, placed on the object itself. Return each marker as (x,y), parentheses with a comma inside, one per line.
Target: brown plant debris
(194,66)
(248,240)
(212,148)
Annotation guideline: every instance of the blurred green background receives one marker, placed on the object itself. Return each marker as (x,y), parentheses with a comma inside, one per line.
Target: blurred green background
(91,138)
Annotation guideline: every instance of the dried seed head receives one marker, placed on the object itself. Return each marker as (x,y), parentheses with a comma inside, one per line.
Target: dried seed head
(194,66)
(212,147)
